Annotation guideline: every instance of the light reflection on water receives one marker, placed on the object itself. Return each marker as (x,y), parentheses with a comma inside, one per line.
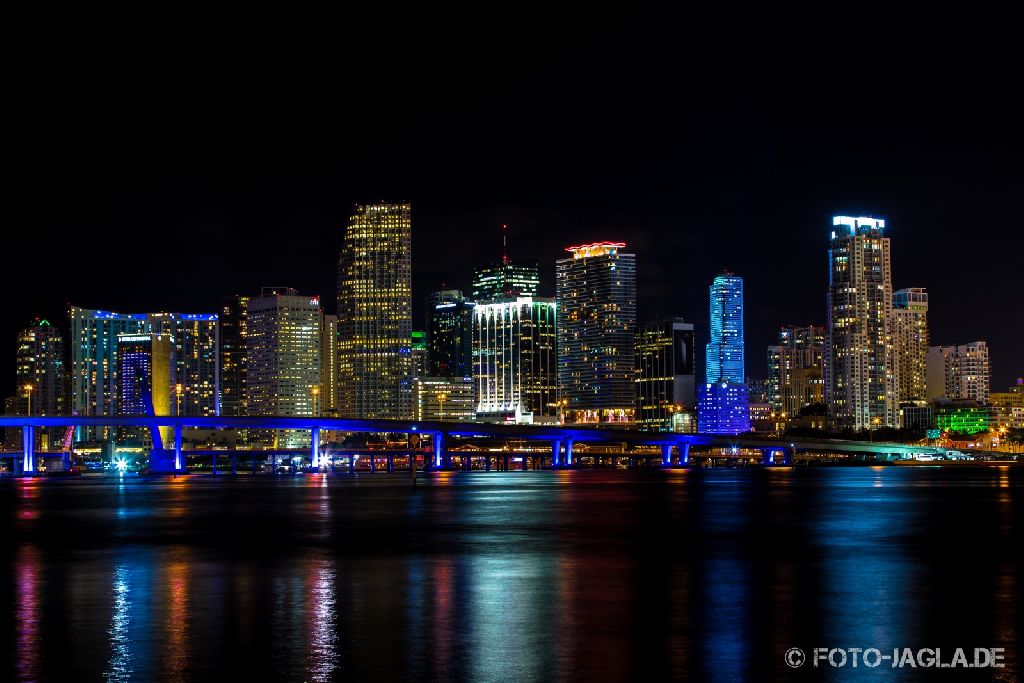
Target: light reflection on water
(518,576)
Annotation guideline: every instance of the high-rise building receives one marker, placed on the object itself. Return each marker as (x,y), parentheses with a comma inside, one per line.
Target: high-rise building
(796,370)
(444,398)
(515,359)
(449,334)
(959,372)
(420,354)
(196,368)
(39,369)
(860,365)
(596,296)
(95,369)
(910,342)
(39,378)
(666,390)
(505,279)
(375,313)
(145,368)
(723,405)
(328,403)
(232,355)
(283,359)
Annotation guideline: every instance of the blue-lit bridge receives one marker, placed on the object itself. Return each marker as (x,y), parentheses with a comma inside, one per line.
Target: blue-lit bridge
(674,448)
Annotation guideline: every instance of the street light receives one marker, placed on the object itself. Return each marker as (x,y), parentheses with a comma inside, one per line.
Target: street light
(441,397)
(177,392)
(28,393)
(871,432)
(316,393)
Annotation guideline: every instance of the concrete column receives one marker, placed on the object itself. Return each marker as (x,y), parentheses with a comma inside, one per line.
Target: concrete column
(65,459)
(28,439)
(684,454)
(666,455)
(314,448)
(556,454)
(234,463)
(179,460)
(351,463)
(214,461)
(253,461)
(273,463)
(568,452)
(438,439)
(766,456)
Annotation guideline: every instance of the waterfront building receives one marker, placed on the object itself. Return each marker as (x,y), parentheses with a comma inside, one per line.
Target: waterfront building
(283,359)
(95,370)
(796,370)
(146,365)
(916,415)
(375,313)
(1008,406)
(515,360)
(666,389)
(962,415)
(960,371)
(861,386)
(232,355)
(723,405)
(596,296)
(450,334)
(39,375)
(444,398)
(910,342)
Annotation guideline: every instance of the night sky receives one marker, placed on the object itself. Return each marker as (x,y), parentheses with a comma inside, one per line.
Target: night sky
(162,172)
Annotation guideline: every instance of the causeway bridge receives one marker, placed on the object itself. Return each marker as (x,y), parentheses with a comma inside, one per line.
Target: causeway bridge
(674,447)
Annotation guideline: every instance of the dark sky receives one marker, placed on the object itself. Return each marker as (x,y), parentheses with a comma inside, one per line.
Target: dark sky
(160,172)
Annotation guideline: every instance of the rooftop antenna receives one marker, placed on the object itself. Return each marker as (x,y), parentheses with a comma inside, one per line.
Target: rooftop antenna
(504,244)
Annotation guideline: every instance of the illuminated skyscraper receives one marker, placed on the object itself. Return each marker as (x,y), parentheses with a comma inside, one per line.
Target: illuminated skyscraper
(860,364)
(596,295)
(39,376)
(450,334)
(910,342)
(95,369)
(723,404)
(232,355)
(328,402)
(420,354)
(283,358)
(514,359)
(506,278)
(959,372)
(145,368)
(796,369)
(375,313)
(666,392)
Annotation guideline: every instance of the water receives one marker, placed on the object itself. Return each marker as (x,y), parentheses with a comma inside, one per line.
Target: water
(643,575)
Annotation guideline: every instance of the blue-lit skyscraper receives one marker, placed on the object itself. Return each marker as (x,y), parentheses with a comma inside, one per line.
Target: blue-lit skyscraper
(723,408)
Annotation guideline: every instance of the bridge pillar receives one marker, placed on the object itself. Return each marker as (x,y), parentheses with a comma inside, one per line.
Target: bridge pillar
(439,454)
(766,456)
(684,454)
(65,461)
(179,462)
(253,462)
(28,439)
(351,463)
(214,461)
(314,448)
(666,455)
(273,463)
(234,463)
(556,454)
(568,452)
(787,456)
(391,463)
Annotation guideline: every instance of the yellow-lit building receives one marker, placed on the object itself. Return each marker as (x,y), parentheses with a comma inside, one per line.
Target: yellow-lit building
(375,313)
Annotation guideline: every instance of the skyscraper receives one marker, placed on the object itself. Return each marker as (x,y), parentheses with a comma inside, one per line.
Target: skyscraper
(146,362)
(95,369)
(959,372)
(514,359)
(375,313)
(450,334)
(505,278)
(723,404)
(232,354)
(283,359)
(910,342)
(328,403)
(796,369)
(860,365)
(40,377)
(666,391)
(596,296)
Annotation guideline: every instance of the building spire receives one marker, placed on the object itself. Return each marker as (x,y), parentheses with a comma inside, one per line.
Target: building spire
(504,244)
